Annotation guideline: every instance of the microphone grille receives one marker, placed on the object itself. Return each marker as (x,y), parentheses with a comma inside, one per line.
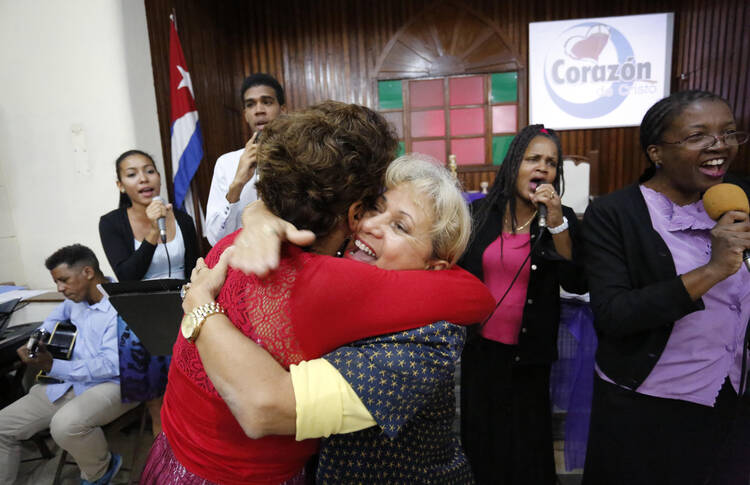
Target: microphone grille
(722,198)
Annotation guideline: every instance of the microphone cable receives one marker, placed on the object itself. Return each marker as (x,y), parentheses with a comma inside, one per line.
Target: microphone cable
(169,263)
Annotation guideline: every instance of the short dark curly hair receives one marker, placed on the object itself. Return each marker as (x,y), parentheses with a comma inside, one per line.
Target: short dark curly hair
(313,164)
(73,255)
(263,79)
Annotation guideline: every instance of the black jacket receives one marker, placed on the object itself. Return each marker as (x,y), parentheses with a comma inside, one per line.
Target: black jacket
(129,264)
(537,343)
(636,294)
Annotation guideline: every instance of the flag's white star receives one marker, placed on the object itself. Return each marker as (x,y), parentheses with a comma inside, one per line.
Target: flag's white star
(185,82)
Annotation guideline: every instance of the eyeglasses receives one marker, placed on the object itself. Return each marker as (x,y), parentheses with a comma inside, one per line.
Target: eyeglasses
(701,142)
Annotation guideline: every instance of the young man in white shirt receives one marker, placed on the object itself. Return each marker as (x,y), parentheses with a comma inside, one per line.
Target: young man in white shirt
(233,183)
(87,393)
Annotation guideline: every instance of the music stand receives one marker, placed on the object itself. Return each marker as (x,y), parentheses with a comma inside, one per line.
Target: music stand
(152,308)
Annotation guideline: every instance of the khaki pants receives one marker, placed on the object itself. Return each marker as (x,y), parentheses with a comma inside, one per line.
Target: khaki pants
(74,422)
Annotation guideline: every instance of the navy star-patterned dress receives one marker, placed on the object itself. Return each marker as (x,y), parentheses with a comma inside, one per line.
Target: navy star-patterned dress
(406,382)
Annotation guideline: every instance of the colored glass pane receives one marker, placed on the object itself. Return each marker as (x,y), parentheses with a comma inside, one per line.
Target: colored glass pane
(401,149)
(427,123)
(466,90)
(504,87)
(468,151)
(390,95)
(504,118)
(423,94)
(500,146)
(396,118)
(467,121)
(434,148)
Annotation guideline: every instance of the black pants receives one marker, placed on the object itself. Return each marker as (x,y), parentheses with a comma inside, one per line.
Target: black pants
(636,439)
(506,416)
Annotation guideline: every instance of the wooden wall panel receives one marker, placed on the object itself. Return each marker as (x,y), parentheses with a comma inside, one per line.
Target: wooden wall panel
(329,49)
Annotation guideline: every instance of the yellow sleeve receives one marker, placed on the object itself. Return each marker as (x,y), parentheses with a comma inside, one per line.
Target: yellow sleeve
(326,403)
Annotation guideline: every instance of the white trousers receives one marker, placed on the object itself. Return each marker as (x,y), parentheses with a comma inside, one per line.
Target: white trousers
(74,422)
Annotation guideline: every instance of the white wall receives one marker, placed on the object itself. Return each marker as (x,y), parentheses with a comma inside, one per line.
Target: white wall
(76,90)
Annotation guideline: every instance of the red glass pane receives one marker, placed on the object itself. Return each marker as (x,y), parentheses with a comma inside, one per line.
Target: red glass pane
(468,151)
(466,90)
(426,93)
(427,123)
(504,118)
(435,148)
(467,121)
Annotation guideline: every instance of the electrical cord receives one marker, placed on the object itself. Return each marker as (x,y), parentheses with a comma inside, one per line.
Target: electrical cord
(169,263)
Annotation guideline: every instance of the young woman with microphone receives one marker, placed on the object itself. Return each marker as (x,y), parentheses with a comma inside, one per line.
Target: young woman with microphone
(138,250)
(671,302)
(506,418)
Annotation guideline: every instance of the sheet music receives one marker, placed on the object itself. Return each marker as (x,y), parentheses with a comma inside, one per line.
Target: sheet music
(22,294)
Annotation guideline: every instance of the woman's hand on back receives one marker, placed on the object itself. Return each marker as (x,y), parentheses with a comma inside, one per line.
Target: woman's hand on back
(205,282)
(257,247)
(546,194)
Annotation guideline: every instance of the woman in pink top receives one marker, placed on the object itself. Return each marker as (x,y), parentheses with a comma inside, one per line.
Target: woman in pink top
(506,422)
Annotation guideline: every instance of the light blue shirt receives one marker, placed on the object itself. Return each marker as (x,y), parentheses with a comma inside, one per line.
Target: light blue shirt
(95,359)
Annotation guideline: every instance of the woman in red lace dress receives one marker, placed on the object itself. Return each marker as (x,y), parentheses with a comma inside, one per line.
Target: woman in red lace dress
(313,166)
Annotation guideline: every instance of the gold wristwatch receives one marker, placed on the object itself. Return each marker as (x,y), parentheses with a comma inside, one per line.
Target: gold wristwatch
(193,321)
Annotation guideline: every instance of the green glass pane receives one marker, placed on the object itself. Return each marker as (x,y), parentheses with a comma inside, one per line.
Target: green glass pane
(401,149)
(389,94)
(500,146)
(504,87)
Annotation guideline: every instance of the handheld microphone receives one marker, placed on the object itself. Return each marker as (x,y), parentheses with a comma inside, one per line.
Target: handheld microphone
(722,198)
(542,209)
(162,223)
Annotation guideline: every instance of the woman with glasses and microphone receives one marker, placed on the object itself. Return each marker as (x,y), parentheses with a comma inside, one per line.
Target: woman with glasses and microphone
(671,302)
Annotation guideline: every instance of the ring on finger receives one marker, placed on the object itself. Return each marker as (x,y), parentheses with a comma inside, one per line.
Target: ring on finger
(184,289)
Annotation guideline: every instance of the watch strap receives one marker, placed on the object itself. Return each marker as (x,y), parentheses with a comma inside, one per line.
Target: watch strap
(200,314)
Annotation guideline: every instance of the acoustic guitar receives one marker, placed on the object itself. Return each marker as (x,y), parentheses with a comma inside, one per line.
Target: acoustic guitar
(60,344)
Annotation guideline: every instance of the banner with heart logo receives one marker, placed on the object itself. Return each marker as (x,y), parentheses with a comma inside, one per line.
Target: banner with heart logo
(598,73)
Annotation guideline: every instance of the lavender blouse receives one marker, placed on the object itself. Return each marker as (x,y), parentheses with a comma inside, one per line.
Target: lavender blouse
(705,346)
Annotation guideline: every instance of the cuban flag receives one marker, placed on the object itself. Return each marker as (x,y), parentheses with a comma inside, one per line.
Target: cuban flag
(187,141)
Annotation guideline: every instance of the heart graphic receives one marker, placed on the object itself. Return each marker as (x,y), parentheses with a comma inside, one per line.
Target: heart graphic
(588,46)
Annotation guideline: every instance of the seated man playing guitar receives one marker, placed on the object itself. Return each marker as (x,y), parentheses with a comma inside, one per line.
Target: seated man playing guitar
(86,393)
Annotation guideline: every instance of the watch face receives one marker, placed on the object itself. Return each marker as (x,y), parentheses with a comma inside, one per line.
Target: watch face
(188,325)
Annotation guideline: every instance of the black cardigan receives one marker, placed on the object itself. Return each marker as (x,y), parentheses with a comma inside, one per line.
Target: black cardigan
(129,264)
(537,342)
(636,294)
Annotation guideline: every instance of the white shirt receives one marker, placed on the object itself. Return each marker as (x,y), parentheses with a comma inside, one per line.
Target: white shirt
(160,267)
(223,218)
